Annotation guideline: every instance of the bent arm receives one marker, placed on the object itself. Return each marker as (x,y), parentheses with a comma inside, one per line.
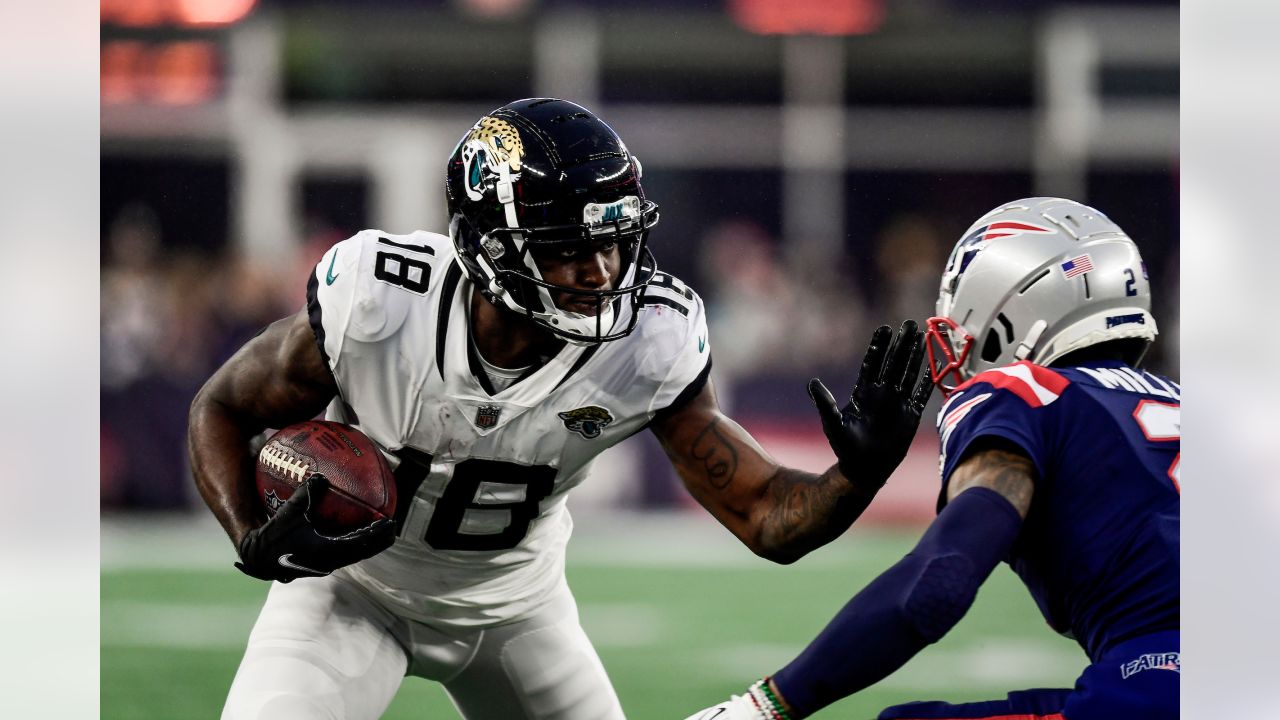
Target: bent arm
(918,600)
(778,512)
(276,379)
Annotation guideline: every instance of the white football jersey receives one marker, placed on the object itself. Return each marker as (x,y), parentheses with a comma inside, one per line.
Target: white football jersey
(482,476)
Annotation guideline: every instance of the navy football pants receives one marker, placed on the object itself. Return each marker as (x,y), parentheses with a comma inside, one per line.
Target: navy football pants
(1137,679)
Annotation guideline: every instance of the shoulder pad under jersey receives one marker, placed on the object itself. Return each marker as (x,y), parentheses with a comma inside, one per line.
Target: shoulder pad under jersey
(366,285)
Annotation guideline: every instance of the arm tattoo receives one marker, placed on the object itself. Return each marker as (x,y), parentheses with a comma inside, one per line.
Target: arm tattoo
(1008,473)
(718,456)
(807,511)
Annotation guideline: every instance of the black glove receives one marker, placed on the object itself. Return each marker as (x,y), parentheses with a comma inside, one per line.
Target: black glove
(287,547)
(872,433)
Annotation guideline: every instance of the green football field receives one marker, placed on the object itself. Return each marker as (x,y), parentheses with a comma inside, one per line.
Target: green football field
(681,615)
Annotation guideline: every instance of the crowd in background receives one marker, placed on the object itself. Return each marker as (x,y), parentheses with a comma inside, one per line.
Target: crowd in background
(171,315)
(169,318)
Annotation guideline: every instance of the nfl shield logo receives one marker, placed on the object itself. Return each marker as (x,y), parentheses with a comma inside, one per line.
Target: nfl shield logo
(273,502)
(487,416)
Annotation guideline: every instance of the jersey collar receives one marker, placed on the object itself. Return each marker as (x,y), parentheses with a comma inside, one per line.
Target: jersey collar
(461,371)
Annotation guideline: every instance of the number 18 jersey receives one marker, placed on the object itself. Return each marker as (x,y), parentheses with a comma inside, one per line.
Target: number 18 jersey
(482,475)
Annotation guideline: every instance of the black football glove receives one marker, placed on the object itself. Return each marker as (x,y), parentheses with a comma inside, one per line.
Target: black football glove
(872,433)
(287,547)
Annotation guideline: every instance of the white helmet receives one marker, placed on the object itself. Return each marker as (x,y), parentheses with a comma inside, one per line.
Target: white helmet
(1033,280)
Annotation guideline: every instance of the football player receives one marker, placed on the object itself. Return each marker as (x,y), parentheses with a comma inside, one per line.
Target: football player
(492,365)
(1059,456)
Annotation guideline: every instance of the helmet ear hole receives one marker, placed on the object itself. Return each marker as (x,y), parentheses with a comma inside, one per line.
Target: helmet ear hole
(991,346)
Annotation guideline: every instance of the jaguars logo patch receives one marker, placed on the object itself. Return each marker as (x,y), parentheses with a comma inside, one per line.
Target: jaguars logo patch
(587,421)
(492,150)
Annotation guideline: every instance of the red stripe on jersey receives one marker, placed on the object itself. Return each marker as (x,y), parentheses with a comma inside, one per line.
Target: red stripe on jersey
(957,413)
(1037,386)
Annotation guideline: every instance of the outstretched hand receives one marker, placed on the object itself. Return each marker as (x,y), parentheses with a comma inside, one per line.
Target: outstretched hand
(288,546)
(871,434)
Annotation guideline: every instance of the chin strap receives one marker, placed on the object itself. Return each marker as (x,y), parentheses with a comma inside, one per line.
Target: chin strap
(507,194)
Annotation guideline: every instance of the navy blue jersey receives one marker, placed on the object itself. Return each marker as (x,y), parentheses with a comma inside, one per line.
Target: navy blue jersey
(1099,547)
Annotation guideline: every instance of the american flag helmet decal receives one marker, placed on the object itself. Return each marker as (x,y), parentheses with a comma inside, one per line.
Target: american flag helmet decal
(1077,265)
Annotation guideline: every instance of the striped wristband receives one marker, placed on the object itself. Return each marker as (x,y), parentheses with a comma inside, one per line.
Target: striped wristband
(767,701)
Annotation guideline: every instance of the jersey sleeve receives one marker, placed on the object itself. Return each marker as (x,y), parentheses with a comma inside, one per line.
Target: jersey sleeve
(1011,403)
(356,296)
(674,330)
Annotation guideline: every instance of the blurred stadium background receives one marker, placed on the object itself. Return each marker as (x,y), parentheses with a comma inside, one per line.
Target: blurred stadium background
(814,161)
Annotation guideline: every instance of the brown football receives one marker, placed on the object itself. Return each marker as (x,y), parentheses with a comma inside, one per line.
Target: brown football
(361,486)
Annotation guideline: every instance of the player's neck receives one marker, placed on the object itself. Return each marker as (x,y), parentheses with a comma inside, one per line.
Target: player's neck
(506,339)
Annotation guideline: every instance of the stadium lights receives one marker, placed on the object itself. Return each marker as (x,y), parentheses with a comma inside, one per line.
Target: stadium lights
(165,52)
(808,17)
(172,73)
(179,13)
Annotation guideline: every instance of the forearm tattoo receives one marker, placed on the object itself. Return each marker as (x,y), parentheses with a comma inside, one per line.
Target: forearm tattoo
(716,453)
(806,512)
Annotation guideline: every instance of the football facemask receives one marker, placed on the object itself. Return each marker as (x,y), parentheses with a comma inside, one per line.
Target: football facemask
(512,278)
(948,346)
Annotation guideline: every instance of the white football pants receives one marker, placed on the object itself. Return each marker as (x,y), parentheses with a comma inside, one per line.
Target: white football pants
(322,649)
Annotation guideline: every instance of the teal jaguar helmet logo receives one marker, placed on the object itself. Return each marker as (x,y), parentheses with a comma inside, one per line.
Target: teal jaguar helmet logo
(587,421)
(492,152)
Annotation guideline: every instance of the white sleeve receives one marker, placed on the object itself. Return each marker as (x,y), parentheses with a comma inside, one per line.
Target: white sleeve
(680,350)
(330,295)
(357,294)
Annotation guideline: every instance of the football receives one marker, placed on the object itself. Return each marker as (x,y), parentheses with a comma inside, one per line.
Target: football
(361,490)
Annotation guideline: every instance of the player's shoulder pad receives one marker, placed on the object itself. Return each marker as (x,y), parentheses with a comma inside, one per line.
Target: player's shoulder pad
(1035,385)
(672,327)
(1009,401)
(370,282)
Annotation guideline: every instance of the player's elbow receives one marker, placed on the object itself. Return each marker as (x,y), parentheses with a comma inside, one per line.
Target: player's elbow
(781,556)
(199,408)
(782,553)
(210,417)
(944,589)
(783,546)
(204,405)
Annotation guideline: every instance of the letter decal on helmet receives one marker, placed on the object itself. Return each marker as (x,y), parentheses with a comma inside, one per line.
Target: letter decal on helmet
(1114,320)
(491,144)
(597,214)
(587,421)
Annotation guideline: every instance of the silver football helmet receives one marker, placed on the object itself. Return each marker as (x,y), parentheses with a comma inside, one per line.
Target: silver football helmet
(1033,280)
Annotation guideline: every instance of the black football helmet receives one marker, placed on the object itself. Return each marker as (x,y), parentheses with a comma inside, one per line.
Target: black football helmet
(541,172)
